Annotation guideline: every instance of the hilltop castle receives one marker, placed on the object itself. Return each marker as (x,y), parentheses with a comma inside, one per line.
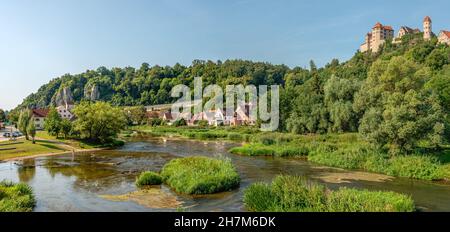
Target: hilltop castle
(380,34)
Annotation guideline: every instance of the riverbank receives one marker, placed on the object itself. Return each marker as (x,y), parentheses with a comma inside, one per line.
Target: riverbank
(347,151)
(47,145)
(90,176)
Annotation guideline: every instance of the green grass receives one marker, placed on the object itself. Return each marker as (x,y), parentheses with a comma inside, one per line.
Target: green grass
(346,151)
(148,178)
(297,194)
(364,158)
(200,175)
(243,134)
(271,150)
(27,148)
(77,143)
(16,197)
(349,152)
(352,200)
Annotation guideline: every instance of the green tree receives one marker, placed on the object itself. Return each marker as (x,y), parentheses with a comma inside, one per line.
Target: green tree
(24,120)
(440,85)
(438,58)
(98,121)
(31,130)
(135,115)
(397,110)
(53,122)
(66,128)
(339,102)
(309,112)
(2,115)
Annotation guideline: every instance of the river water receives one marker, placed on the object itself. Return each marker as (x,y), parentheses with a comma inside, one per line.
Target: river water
(104,180)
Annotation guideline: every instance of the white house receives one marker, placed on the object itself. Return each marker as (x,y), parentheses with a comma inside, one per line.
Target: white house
(38,117)
(65,111)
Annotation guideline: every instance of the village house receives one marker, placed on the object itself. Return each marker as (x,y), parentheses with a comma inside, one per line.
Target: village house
(38,117)
(242,116)
(444,37)
(65,111)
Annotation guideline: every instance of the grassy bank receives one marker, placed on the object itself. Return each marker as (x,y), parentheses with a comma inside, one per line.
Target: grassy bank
(241,134)
(16,197)
(349,152)
(24,148)
(77,143)
(200,175)
(346,151)
(296,194)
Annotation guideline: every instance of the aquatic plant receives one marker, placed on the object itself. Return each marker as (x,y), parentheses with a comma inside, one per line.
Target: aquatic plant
(297,194)
(16,197)
(200,175)
(148,178)
(271,150)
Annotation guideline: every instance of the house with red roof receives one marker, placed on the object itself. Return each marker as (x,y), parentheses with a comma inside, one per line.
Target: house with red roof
(38,116)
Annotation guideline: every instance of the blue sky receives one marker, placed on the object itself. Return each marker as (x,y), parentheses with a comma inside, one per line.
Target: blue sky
(41,40)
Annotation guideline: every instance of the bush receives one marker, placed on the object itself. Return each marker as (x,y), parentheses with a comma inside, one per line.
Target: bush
(179,123)
(200,175)
(148,178)
(352,200)
(16,197)
(296,194)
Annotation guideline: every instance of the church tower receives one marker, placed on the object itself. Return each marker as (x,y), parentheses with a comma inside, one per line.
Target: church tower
(427,28)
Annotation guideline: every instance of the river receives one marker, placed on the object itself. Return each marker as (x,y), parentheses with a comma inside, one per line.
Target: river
(104,180)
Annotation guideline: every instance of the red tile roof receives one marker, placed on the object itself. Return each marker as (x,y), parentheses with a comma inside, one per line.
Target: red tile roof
(388,28)
(446,33)
(378,25)
(427,19)
(42,113)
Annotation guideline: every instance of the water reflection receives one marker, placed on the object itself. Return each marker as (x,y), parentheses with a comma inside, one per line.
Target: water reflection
(26,170)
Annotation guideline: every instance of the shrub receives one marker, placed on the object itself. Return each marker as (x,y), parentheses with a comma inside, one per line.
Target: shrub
(200,175)
(16,197)
(297,194)
(179,123)
(417,167)
(148,178)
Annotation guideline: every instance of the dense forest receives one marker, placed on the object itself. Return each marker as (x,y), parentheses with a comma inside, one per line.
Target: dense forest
(400,94)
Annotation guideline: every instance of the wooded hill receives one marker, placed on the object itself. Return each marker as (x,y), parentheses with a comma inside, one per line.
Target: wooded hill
(403,91)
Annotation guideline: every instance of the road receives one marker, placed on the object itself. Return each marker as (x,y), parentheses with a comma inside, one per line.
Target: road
(8,129)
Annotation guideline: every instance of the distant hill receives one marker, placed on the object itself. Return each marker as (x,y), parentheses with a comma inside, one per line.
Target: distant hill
(152,85)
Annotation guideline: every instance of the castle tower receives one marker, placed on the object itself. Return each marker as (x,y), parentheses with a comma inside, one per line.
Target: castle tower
(427,28)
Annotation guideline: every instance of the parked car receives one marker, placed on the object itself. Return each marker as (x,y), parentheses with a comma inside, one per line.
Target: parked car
(7,135)
(16,134)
